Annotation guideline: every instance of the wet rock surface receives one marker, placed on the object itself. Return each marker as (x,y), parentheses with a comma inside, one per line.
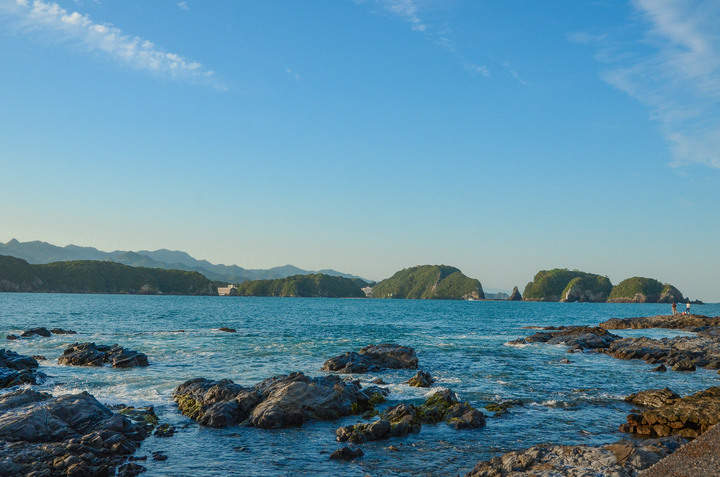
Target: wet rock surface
(16,369)
(347,454)
(90,354)
(373,358)
(403,419)
(576,337)
(42,332)
(669,414)
(280,401)
(622,459)
(682,353)
(73,435)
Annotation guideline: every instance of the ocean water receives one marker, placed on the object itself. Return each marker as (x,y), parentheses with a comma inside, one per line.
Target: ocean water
(462,344)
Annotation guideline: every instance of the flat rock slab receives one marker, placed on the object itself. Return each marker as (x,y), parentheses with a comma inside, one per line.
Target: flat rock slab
(699,458)
(702,351)
(373,358)
(65,435)
(675,322)
(281,401)
(621,459)
(687,417)
(90,354)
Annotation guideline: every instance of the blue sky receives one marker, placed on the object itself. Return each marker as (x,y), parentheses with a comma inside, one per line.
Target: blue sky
(501,137)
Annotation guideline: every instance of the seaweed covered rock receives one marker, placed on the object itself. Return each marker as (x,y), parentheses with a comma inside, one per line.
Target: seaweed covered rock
(422,379)
(621,459)
(687,417)
(280,401)
(373,358)
(90,354)
(65,435)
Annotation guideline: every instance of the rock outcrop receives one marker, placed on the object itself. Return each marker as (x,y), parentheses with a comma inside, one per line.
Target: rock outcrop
(429,282)
(373,358)
(281,401)
(576,337)
(620,459)
(682,353)
(17,369)
(70,435)
(674,322)
(560,284)
(402,419)
(644,290)
(669,414)
(90,354)
(515,295)
(422,379)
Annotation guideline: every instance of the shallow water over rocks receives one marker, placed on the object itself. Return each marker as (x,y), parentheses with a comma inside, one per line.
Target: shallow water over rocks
(461,344)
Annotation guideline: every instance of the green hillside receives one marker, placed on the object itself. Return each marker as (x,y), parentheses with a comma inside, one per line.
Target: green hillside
(316,285)
(644,290)
(561,284)
(92,276)
(429,282)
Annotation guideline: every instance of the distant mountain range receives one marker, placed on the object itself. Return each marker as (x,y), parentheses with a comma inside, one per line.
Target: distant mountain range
(37,252)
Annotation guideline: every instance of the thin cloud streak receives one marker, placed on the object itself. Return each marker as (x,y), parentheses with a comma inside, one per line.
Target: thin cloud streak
(680,81)
(51,20)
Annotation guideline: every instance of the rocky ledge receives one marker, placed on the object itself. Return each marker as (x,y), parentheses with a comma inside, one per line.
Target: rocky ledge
(682,353)
(373,358)
(90,354)
(280,401)
(70,435)
(676,322)
(17,369)
(402,419)
(669,414)
(576,337)
(622,459)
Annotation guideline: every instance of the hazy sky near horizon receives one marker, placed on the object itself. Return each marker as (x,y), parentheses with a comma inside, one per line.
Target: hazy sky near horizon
(501,137)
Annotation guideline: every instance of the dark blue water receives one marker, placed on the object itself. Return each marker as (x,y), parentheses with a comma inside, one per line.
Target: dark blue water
(462,344)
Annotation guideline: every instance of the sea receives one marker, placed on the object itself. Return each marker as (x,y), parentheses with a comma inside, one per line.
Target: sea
(462,344)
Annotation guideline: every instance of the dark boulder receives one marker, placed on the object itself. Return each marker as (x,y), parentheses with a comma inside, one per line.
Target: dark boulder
(281,401)
(44,332)
(347,454)
(515,295)
(90,354)
(16,369)
(374,358)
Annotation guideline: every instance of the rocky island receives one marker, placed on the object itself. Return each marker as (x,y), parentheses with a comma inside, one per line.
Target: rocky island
(314,285)
(429,282)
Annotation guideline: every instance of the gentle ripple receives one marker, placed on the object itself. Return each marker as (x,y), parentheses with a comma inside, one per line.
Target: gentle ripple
(462,344)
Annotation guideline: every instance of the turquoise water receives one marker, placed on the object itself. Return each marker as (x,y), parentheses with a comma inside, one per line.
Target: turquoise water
(462,344)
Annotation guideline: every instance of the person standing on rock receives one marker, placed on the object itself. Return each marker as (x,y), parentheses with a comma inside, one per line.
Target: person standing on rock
(687,308)
(674,308)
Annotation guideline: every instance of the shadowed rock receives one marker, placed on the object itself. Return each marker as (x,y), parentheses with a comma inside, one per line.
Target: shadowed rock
(66,435)
(421,380)
(578,337)
(16,369)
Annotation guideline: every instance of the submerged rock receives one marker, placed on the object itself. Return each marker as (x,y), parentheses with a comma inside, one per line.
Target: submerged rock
(621,459)
(90,354)
(671,415)
(373,358)
(347,454)
(280,401)
(44,332)
(71,435)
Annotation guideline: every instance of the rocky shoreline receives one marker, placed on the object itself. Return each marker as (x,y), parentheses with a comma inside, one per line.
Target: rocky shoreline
(76,435)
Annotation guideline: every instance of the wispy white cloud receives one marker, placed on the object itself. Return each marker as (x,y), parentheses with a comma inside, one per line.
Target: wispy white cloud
(183,5)
(408,11)
(294,75)
(481,70)
(680,80)
(50,20)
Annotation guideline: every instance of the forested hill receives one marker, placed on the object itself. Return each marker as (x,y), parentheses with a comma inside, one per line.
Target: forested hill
(429,282)
(316,285)
(92,276)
